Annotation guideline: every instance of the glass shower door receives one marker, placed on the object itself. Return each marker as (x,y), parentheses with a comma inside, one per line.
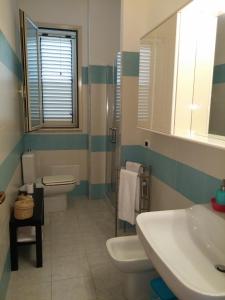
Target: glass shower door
(113,131)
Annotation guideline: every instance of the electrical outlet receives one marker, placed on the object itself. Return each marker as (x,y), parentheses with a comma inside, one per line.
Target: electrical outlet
(147,144)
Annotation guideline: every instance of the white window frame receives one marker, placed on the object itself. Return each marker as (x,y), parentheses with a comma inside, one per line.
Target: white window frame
(77,113)
(77,106)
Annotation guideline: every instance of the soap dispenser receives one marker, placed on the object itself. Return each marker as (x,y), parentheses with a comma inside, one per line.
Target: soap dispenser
(220,194)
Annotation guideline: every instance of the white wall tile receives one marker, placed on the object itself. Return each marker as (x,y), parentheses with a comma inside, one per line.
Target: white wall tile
(10,112)
(98,109)
(164,197)
(129,130)
(97,167)
(46,158)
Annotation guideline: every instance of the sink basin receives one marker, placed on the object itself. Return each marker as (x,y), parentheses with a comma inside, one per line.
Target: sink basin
(185,245)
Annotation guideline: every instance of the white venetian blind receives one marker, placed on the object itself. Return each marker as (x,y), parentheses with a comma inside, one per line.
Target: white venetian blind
(118,87)
(57,75)
(144,86)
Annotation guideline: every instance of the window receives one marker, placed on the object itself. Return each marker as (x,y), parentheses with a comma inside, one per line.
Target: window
(52,73)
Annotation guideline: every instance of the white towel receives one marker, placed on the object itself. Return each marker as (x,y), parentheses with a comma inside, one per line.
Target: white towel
(128,196)
(133,166)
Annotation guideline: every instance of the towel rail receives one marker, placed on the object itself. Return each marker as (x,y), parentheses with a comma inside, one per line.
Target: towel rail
(144,201)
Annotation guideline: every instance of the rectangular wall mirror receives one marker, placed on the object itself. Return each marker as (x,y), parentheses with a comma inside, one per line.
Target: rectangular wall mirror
(182,74)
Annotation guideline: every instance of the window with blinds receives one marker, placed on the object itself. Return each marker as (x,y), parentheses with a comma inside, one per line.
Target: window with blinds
(52,70)
(58,64)
(145,85)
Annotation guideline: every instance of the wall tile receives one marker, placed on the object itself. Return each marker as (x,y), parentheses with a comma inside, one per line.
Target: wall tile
(219,74)
(97,191)
(55,141)
(4,280)
(98,168)
(80,190)
(46,158)
(163,197)
(9,58)
(130,63)
(98,109)
(193,184)
(100,74)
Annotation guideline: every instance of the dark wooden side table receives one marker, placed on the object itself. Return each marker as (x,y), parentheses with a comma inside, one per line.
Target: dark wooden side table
(37,220)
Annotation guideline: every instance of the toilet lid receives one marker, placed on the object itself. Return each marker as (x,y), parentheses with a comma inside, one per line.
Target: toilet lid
(58,180)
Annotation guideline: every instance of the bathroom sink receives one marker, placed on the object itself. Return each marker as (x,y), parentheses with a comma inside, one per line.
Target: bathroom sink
(185,246)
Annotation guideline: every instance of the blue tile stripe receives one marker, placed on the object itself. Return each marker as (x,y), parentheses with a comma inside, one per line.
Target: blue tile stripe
(9,58)
(80,190)
(190,182)
(219,74)
(100,143)
(84,75)
(97,191)
(130,64)
(55,141)
(98,74)
(8,166)
(4,281)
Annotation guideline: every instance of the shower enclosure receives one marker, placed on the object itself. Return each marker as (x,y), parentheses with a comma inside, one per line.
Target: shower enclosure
(113,132)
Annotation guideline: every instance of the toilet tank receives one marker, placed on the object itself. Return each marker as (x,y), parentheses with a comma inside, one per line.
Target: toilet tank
(29,167)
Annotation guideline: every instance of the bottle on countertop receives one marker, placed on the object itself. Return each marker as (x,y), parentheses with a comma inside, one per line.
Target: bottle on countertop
(220,194)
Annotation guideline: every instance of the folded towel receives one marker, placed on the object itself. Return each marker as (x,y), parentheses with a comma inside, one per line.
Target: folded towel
(133,166)
(128,198)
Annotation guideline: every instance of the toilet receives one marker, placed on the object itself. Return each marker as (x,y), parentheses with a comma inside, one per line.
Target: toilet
(55,187)
(129,257)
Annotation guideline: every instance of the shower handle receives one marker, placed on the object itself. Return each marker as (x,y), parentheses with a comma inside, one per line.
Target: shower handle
(113,134)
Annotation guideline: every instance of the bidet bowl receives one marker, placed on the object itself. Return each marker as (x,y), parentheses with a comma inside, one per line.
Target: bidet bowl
(128,254)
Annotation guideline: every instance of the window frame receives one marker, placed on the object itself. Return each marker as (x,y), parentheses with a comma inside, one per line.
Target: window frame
(77,105)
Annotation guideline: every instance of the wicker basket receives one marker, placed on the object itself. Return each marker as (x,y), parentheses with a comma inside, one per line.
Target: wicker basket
(23,208)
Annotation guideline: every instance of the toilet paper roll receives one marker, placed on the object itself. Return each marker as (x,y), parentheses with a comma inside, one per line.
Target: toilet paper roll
(30,188)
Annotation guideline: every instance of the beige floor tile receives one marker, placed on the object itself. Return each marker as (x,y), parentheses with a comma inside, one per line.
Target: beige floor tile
(68,247)
(74,289)
(70,266)
(27,271)
(30,291)
(76,262)
(109,295)
(106,277)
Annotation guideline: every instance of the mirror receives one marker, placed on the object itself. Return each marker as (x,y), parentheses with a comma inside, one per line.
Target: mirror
(217,109)
(182,75)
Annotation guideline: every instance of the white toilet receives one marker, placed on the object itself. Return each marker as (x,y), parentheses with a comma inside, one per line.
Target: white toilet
(129,257)
(55,187)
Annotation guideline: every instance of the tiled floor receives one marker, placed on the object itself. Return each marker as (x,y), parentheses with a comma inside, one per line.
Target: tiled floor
(76,263)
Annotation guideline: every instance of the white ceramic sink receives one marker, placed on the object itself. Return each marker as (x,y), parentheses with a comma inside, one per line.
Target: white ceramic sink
(184,246)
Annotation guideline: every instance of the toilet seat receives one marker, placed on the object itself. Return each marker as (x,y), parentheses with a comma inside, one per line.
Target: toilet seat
(58,180)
